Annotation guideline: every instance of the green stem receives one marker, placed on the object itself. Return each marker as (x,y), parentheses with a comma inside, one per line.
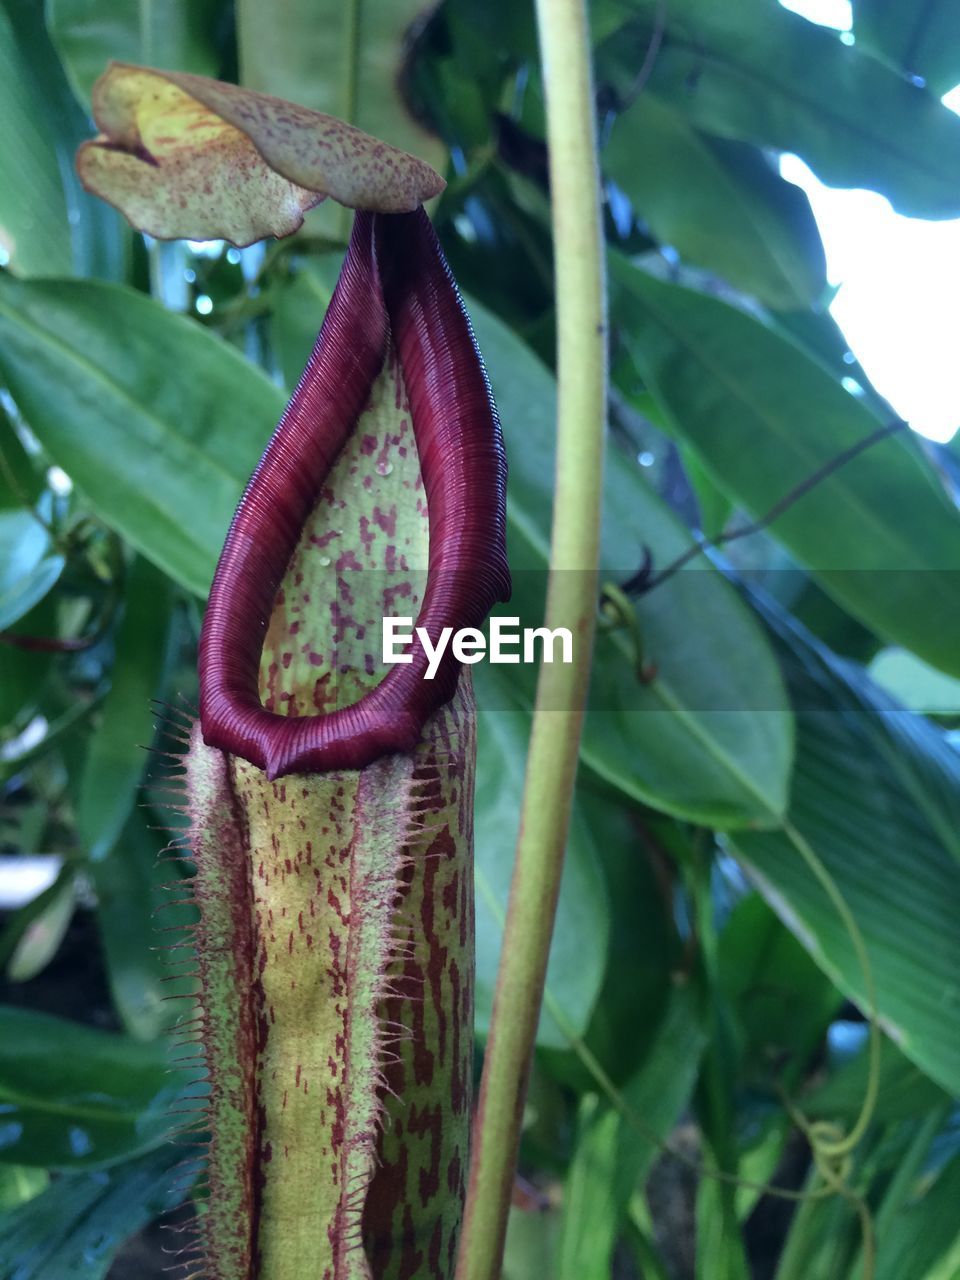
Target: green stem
(571,602)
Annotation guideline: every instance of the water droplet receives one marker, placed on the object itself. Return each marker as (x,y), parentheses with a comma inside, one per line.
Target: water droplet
(646,459)
(384,468)
(326,562)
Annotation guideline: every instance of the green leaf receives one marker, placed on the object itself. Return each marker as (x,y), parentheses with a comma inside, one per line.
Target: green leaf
(130,886)
(881,827)
(40,939)
(720,204)
(20,481)
(18,1184)
(782,1002)
(100,244)
(905,1092)
(915,684)
(298,313)
(75,1228)
(115,757)
(157,421)
(34,231)
(920,40)
(923,1240)
(757,73)
(715,507)
(178,34)
(105,1099)
(578,952)
(29,567)
(710,737)
(644,953)
(24,675)
(880,533)
(531,1242)
(614,1153)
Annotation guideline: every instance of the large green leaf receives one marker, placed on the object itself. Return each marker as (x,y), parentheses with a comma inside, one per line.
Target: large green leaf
(75,1228)
(72,1096)
(710,737)
(34,231)
(578,952)
(880,533)
(720,204)
(919,39)
(158,422)
(858,804)
(755,72)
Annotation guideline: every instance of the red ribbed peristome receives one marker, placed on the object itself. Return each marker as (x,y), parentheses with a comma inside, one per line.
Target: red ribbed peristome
(396,287)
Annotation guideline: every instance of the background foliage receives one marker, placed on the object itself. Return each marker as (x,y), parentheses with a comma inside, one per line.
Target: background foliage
(758,714)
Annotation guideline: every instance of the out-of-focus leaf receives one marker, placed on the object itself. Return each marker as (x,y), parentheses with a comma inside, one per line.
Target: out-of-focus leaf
(715,507)
(298,314)
(29,566)
(923,1240)
(644,951)
(100,243)
(916,685)
(184,156)
(720,204)
(34,231)
(870,815)
(822,1240)
(905,1092)
(166,33)
(24,674)
(880,533)
(309,52)
(161,459)
(613,1155)
(782,1001)
(18,1184)
(72,1096)
(531,1242)
(75,1228)
(130,886)
(757,73)
(115,757)
(710,737)
(920,40)
(20,481)
(720,1247)
(579,950)
(40,940)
